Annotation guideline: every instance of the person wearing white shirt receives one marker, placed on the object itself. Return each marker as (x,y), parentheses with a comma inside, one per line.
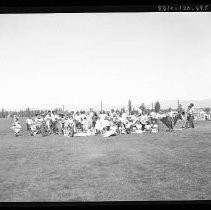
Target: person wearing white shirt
(36,118)
(139,111)
(85,124)
(134,118)
(77,117)
(48,121)
(54,118)
(91,113)
(190,116)
(148,127)
(154,128)
(106,124)
(102,116)
(33,128)
(78,121)
(184,119)
(40,119)
(98,127)
(139,126)
(83,116)
(16,127)
(48,116)
(191,110)
(144,120)
(157,116)
(153,114)
(29,122)
(171,115)
(69,126)
(153,117)
(124,116)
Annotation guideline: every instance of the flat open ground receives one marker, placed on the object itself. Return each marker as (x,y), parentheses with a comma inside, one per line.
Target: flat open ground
(136,167)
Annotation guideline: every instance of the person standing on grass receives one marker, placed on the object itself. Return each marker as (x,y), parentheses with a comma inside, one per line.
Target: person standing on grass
(94,120)
(48,121)
(190,116)
(106,124)
(33,131)
(29,122)
(36,118)
(62,121)
(171,119)
(183,119)
(54,118)
(44,128)
(144,120)
(153,116)
(16,127)
(98,127)
(77,118)
(69,126)
(124,117)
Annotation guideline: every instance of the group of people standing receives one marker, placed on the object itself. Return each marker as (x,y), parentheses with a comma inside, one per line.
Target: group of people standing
(102,123)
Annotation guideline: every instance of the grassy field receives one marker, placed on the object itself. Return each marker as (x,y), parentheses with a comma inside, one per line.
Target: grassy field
(137,167)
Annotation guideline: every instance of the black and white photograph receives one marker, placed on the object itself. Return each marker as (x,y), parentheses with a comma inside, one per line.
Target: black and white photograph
(100,107)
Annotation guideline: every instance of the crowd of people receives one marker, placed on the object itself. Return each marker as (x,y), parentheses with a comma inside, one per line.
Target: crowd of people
(108,123)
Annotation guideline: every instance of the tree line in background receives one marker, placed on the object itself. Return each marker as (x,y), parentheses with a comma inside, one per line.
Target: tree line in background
(156,108)
(23,113)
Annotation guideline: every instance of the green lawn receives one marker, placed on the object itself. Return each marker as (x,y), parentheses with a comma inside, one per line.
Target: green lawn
(137,167)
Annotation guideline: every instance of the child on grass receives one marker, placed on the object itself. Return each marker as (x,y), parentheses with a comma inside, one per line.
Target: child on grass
(16,127)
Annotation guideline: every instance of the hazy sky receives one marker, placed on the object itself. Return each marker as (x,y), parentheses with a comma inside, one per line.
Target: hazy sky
(72,59)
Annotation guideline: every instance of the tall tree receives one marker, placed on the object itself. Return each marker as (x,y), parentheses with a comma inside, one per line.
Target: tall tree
(129,106)
(142,107)
(2,113)
(157,107)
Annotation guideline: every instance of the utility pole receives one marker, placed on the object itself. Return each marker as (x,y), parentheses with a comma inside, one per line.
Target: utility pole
(178,104)
(152,106)
(101,106)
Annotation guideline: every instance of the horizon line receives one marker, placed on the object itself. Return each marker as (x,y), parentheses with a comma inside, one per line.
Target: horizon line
(108,106)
